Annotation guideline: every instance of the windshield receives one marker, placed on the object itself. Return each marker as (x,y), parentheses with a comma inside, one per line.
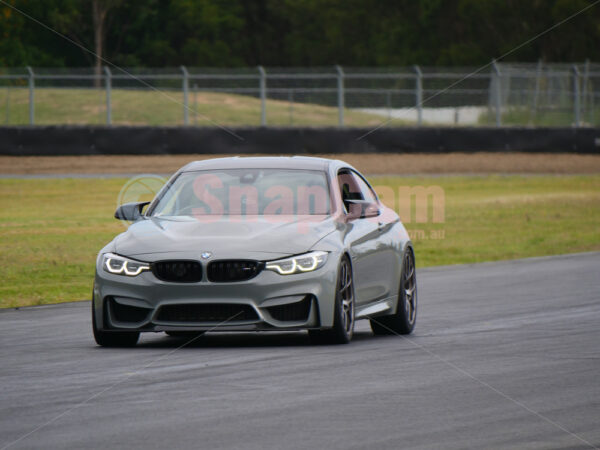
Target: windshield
(260,192)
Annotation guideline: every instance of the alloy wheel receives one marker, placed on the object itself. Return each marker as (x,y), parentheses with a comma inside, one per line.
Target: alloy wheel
(409,285)
(346,296)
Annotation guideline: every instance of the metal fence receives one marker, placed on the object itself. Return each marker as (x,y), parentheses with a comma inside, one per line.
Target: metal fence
(500,95)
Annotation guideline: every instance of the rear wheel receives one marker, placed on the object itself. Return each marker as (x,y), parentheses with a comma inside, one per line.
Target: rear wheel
(113,339)
(343,323)
(403,322)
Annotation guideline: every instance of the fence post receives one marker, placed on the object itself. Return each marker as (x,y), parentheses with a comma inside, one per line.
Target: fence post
(340,94)
(592,108)
(419,95)
(536,93)
(185,86)
(7,104)
(263,95)
(584,88)
(108,86)
(195,90)
(31,95)
(291,101)
(498,93)
(576,98)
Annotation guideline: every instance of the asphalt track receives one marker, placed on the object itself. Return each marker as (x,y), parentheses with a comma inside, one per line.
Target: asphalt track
(505,355)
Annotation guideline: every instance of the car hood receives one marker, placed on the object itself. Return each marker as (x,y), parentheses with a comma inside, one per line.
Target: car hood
(247,238)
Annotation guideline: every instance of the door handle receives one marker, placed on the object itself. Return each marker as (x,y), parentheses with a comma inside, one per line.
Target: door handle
(380,226)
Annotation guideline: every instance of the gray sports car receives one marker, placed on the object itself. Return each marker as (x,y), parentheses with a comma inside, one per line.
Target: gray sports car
(257,244)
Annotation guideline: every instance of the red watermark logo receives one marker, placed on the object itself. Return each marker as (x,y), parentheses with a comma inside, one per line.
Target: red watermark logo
(214,201)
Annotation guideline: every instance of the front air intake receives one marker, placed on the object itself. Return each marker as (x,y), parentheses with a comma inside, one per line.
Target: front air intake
(127,313)
(206,312)
(293,312)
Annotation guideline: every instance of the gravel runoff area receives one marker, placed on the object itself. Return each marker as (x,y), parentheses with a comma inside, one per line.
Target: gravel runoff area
(372,163)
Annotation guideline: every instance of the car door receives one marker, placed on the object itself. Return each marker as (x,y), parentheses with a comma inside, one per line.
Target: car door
(369,262)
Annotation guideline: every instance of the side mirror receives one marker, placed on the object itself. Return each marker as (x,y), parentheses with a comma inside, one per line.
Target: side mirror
(362,209)
(130,211)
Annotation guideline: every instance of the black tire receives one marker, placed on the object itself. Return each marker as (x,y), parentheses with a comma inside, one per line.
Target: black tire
(113,339)
(184,334)
(403,322)
(343,322)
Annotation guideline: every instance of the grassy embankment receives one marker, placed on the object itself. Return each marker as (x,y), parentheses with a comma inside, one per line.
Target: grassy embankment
(143,107)
(51,229)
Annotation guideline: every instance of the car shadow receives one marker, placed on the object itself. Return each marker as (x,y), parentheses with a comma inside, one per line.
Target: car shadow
(239,340)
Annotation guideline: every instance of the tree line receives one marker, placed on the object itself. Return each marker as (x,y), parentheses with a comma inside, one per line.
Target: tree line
(231,33)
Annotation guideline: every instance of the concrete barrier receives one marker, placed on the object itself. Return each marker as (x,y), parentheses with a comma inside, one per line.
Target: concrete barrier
(121,140)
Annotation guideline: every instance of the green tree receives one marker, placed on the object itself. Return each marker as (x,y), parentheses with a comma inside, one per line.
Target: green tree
(296,32)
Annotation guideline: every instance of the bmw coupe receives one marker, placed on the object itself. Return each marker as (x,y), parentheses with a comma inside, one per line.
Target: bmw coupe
(257,244)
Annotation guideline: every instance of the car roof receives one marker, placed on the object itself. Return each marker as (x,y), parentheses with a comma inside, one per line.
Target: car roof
(264,162)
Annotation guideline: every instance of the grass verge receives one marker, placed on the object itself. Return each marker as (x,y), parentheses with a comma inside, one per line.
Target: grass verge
(145,107)
(51,229)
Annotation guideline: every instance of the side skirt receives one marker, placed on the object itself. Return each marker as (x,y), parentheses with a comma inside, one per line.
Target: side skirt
(377,308)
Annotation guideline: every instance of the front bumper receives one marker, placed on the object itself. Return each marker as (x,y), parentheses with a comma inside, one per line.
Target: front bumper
(268,301)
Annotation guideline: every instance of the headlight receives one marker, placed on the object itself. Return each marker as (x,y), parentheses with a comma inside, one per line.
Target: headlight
(298,264)
(120,265)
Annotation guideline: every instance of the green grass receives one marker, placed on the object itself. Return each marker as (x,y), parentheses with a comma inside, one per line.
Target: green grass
(505,217)
(142,107)
(52,229)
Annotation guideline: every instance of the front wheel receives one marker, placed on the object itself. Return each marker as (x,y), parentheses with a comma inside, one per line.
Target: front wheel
(403,322)
(343,323)
(113,339)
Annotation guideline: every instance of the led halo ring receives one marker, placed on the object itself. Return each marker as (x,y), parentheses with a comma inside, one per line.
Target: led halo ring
(123,269)
(317,260)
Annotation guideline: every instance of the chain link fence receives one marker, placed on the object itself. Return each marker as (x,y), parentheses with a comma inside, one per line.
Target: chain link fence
(501,94)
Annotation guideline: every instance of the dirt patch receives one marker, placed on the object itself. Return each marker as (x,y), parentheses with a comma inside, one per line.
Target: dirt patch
(374,163)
